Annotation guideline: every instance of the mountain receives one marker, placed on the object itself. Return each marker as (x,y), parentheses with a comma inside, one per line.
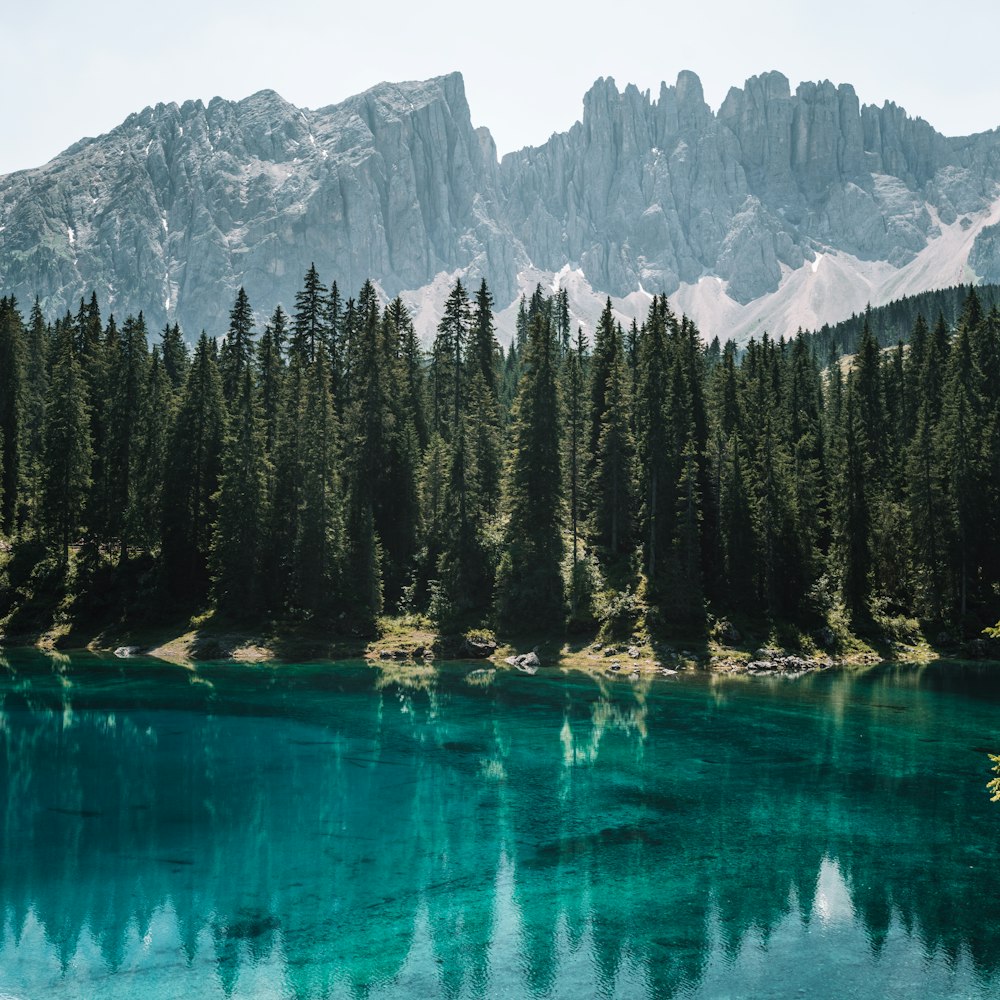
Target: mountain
(779,210)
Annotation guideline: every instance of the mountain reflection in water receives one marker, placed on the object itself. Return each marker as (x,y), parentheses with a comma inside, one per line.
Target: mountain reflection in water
(340,831)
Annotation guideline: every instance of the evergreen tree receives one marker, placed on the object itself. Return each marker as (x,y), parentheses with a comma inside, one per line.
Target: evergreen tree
(67,450)
(653,443)
(414,379)
(311,314)
(12,413)
(959,451)
(926,511)
(238,542)
(611,449)
(447,361)
(151,455)
(127,372)
(271,373)
(191,477)
(574,393)
(529,586)
(365,448)
(686,590)
(334,340)
(465,568)
(36,376)
(853,515)
(736,530)
(562,321)
(318,527)
(237,349)
(175,356)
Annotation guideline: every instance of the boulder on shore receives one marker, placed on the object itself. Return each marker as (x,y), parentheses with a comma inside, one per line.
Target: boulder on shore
(526,662)
(478,649)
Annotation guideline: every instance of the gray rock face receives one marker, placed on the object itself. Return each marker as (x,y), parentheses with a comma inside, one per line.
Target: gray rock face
(175,209)
(180,205)
(663,192)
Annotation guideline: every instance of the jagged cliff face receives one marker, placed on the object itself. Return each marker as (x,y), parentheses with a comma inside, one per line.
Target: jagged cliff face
(175,209)
(779,209)
(663,193)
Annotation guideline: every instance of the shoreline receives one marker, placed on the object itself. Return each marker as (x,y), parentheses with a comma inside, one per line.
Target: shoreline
(416,647)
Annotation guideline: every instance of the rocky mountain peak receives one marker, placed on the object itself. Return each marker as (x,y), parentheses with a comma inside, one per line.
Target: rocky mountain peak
(782,195)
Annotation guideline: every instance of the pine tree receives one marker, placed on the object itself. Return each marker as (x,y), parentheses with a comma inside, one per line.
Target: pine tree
(574,393)
(191,477)
(926,512)
(334,340)
(653,443)
(414,380)
(36,375)
(960,457)
(238,348)
(311,314)
(853,515)
(12,413)
(778,541)
(99,354)
(318,528)
(562,321)
(153,434)
(737,531)
(686,590)
(484,404)
(175,356)
(521,327)
(529,587)
(610,469)
(238,542)
(396,505)
(364,449)
(465,569)
(271,373)
(127,373)
(67,450)
(447,360)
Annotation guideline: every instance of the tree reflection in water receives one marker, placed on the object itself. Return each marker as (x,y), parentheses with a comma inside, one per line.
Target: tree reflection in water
(327,831)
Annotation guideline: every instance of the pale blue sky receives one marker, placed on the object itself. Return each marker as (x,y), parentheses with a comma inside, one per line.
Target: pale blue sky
(74,68)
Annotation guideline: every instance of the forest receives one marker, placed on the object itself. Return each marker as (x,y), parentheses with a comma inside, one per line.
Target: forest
(328,469)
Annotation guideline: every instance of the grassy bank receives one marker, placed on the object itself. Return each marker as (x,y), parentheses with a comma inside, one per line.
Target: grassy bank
(722,645)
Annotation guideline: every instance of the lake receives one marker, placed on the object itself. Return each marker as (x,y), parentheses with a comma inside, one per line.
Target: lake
(349,830)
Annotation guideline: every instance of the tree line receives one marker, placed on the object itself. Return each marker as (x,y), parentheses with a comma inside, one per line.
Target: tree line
(328,468)
(894,321)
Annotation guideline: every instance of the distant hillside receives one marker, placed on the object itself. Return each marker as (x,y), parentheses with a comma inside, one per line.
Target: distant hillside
(893,322)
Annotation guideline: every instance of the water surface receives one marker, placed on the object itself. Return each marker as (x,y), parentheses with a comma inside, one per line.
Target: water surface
(348,831)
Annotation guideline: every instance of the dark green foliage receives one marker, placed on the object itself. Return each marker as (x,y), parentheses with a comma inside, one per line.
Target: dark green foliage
(333,466)
(574,394)
(36,384)
(317,544)
(191,477)
(67,455)
(13,400)
(127,363)
(895,321)
(238,542)
(237,351)
(175,356)
(656,467)
(311,314)
(611,448)
(529,587)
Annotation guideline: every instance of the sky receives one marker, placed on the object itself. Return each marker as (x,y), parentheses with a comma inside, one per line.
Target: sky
(73,69)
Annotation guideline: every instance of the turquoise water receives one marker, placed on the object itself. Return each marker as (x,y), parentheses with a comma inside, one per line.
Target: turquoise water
(342,831)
